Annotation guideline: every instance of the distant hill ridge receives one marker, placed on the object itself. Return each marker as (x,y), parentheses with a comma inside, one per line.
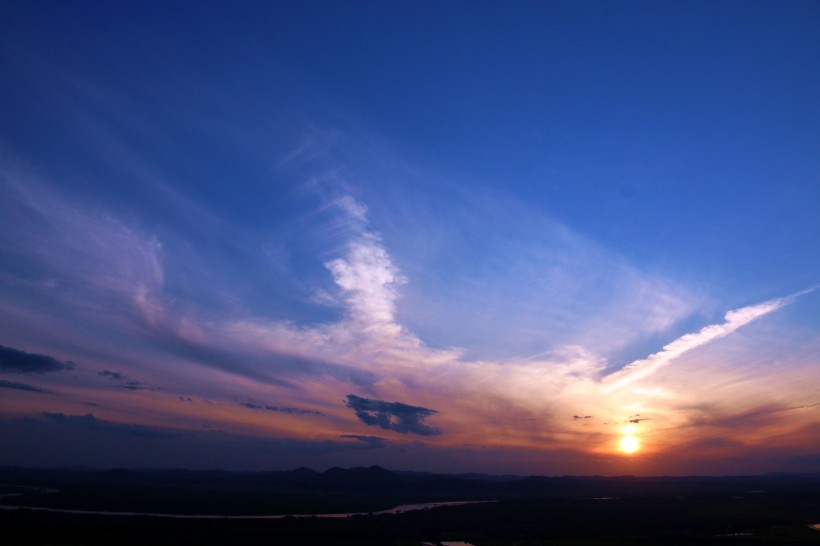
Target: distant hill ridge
(376,480)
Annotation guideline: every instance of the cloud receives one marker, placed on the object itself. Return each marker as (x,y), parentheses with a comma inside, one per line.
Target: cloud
(734,319)
(557,300)
(21,386)
(117,280)
(370,442)
(713,443)
(88,421)
(137,386)
(394,416)
(369,282)
(755,417)
(528,287)
(91,251)
(285,409)
(365,275)
(14,360)
(53,441)
(250,348)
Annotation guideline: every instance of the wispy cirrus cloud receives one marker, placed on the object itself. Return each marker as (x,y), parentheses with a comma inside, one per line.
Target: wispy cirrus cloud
(528,282)
(74,244)
(110,277)
(734,319)
(96,270)
(4,384)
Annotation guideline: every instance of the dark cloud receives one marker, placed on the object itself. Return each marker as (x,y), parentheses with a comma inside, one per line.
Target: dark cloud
(576,417)
(21,387)
(280,409)
(137,386)
(368,442)
(186,398)
(68,440)
(88,421)
(392,415)
(113,375)
(14,360)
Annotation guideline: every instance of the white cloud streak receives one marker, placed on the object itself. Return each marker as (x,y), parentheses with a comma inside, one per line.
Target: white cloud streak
(734,319)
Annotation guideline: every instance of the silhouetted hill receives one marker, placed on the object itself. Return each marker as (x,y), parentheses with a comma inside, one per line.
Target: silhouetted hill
(377,481)
(374,476)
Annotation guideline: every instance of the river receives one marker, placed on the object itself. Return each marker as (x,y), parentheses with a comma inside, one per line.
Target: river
(395,510)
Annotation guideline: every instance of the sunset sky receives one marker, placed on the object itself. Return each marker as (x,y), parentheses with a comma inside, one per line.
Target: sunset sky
(439,236)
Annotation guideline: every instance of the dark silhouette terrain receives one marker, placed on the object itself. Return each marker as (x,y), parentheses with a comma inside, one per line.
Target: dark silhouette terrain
(772,509)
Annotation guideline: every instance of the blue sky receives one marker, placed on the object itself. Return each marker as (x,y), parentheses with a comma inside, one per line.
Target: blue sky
(475,218)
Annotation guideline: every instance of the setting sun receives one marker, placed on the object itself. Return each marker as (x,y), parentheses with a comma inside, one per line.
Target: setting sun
(629,444)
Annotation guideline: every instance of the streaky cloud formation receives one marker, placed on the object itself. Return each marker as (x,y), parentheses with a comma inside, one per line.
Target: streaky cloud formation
(89,421)
(734,319)
(14,360)
(137,386)
(4,384)
(370,442)
(292,411)
(395,416)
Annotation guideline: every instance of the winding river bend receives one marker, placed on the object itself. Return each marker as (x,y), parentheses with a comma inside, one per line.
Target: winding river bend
(396,510)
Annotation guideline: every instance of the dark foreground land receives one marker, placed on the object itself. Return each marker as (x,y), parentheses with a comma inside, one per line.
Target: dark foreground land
(527,512)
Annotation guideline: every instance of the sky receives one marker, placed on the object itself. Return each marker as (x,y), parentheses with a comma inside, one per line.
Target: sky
(531,238)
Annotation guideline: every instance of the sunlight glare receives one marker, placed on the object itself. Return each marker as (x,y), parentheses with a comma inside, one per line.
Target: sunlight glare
(629,444)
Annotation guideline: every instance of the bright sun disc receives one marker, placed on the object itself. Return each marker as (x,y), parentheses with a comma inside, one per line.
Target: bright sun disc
(629,444)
